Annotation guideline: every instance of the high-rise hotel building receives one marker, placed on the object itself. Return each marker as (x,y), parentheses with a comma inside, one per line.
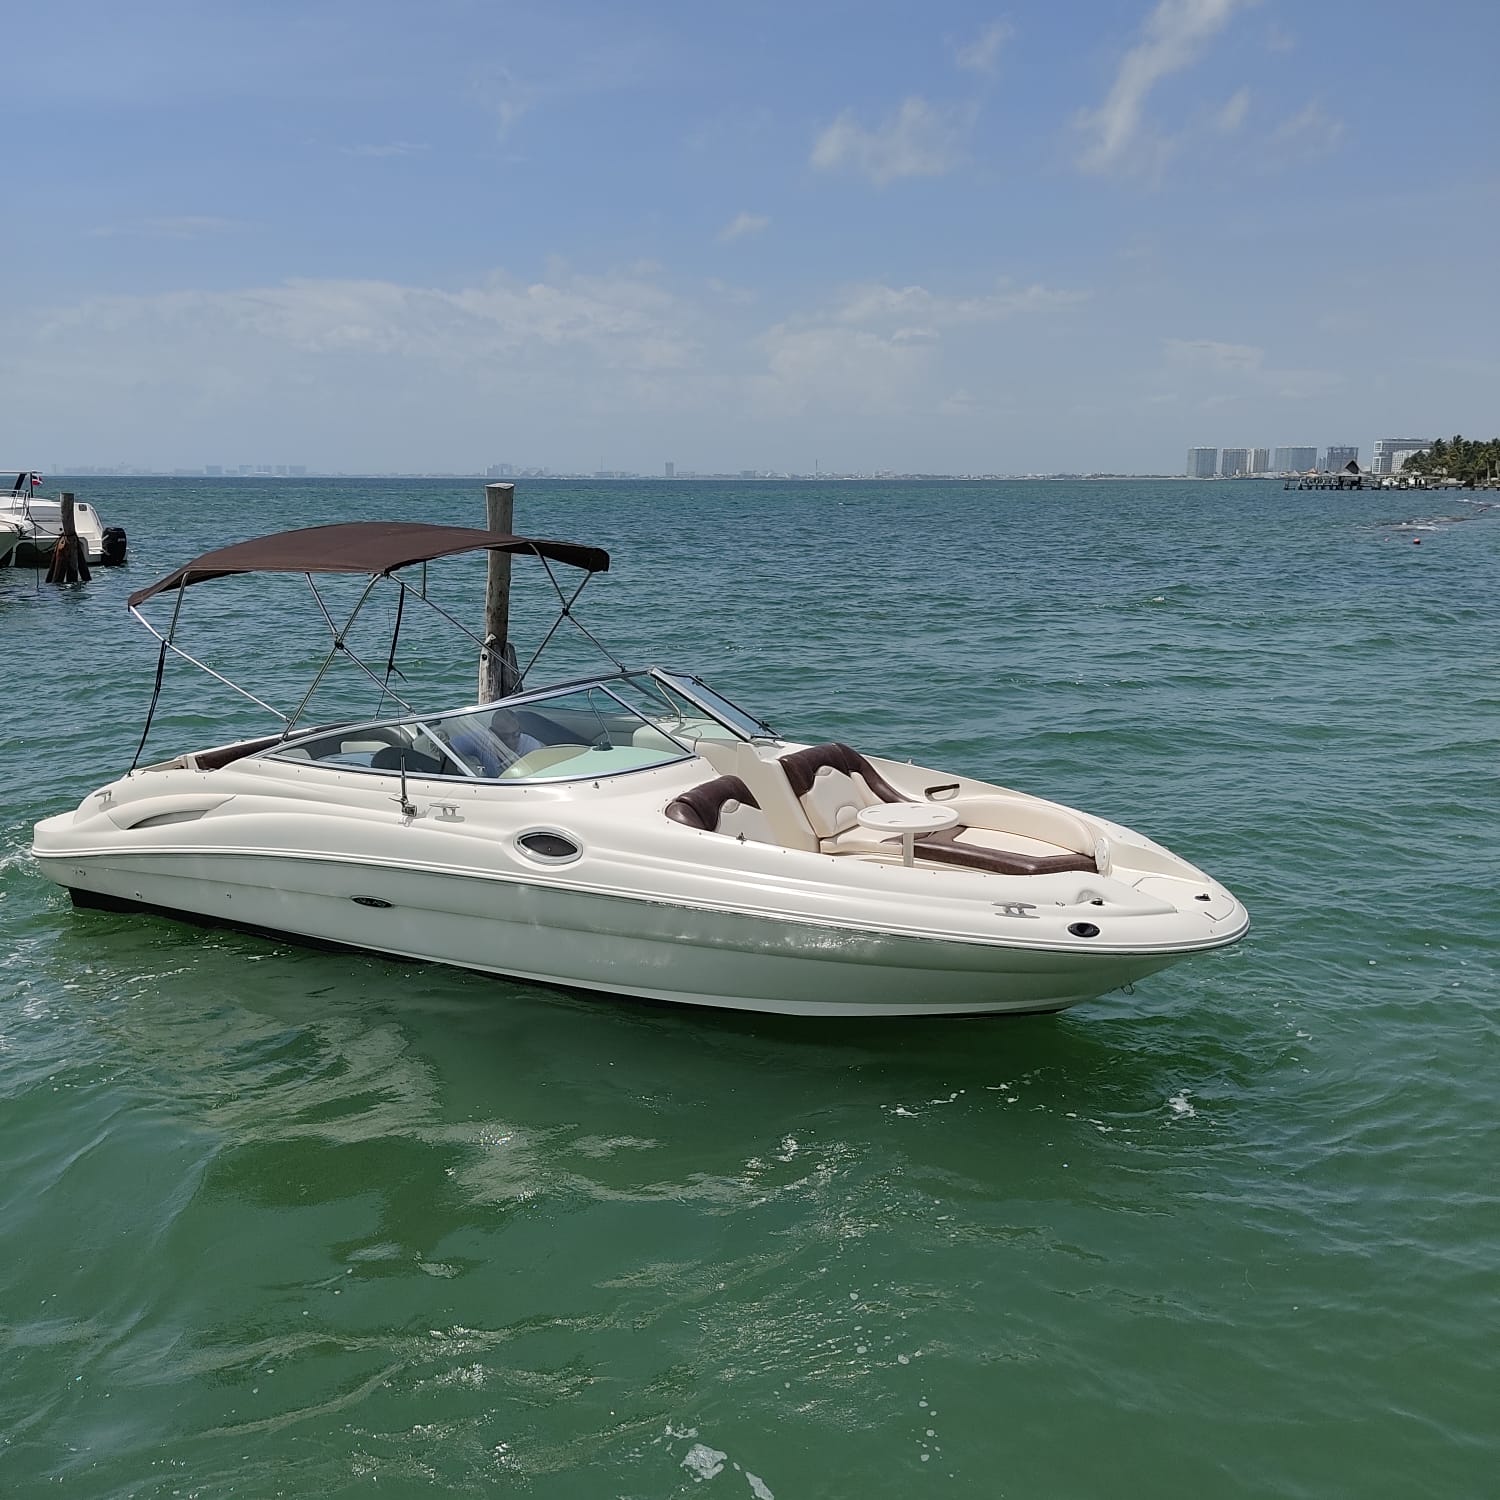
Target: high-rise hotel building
(1386,460)
(1203,463)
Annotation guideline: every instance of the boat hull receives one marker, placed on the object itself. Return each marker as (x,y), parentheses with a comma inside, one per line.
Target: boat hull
(36,552)
(653,949)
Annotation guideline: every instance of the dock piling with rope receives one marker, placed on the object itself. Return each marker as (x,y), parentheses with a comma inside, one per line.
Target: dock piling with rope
(70,559)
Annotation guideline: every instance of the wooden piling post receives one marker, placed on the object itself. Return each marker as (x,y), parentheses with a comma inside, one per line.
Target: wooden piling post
(496,677)
(70,563)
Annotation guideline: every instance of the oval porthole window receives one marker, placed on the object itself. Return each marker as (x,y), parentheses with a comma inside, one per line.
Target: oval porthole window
(1083,929)
(548,846)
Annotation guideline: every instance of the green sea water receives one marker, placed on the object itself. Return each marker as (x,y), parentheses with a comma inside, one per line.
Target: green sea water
(275,1222)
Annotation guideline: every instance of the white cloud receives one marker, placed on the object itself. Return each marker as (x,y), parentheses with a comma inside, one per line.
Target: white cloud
(585,343)
(1172,37)
(1232,116)
(505,97)
(1307,136)
(1240,369)
(622,321)
(915,306)
(507,112)
(369,367)
(842,368)
(919,140)
(983,53)
(1346,323)
(558,369)
(1207,354)
(363,374)
(962,403)
(385,149)
(743,224)
(881,349)
(730,293)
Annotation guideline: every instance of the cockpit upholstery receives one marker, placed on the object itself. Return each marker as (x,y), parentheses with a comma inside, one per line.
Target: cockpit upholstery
(723,805)
(944,849)
(833,782)
(494,748)
(418,762)
(524,730)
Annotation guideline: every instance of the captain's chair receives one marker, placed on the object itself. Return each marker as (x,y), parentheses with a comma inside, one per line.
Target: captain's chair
(832,782)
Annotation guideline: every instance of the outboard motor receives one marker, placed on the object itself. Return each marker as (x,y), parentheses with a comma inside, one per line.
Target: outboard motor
(112,546)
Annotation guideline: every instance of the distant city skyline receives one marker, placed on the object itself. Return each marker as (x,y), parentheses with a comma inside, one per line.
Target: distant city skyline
(1203,463)
(668,472)
(1388,454)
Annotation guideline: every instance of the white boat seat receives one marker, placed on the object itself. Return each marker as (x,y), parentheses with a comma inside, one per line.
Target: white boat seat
(724,805)
(833,782)
(768,785)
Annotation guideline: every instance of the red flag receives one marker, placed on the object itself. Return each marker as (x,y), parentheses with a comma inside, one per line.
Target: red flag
(36,479)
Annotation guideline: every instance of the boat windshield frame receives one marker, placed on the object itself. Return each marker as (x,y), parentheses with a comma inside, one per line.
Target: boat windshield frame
(716,705)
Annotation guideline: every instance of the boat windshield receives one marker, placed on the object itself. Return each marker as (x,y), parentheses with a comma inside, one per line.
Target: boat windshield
(685,708)
(696,691)
(579,732)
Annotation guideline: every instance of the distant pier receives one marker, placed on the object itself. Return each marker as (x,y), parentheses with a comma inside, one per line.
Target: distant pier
(1333,482)
(1383,482)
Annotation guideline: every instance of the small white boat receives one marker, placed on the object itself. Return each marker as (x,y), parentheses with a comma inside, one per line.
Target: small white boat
(40,523)
(631,832)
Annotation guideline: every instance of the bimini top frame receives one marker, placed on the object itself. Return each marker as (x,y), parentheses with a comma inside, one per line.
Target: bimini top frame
(376,549)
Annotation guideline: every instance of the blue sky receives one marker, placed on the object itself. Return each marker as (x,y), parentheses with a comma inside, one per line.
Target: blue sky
(948,237)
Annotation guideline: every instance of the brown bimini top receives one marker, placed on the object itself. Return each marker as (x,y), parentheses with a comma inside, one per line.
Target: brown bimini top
(372,547)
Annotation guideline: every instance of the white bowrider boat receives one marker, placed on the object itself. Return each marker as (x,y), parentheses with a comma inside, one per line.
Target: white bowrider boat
(631,832)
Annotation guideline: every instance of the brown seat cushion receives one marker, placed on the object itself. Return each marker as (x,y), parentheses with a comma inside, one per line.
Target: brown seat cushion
(700,806)
(943,848)
(801,766)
